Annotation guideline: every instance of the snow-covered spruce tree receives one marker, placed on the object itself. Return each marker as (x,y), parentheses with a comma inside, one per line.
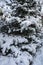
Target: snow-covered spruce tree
(19,27)
(24,10)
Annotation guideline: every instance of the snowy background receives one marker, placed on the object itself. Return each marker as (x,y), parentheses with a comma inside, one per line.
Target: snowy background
(21,32)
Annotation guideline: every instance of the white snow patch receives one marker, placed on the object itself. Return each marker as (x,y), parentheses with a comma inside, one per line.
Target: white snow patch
(38,60)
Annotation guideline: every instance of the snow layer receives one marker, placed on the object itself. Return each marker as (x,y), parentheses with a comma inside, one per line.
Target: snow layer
(38,60)
(21,60)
